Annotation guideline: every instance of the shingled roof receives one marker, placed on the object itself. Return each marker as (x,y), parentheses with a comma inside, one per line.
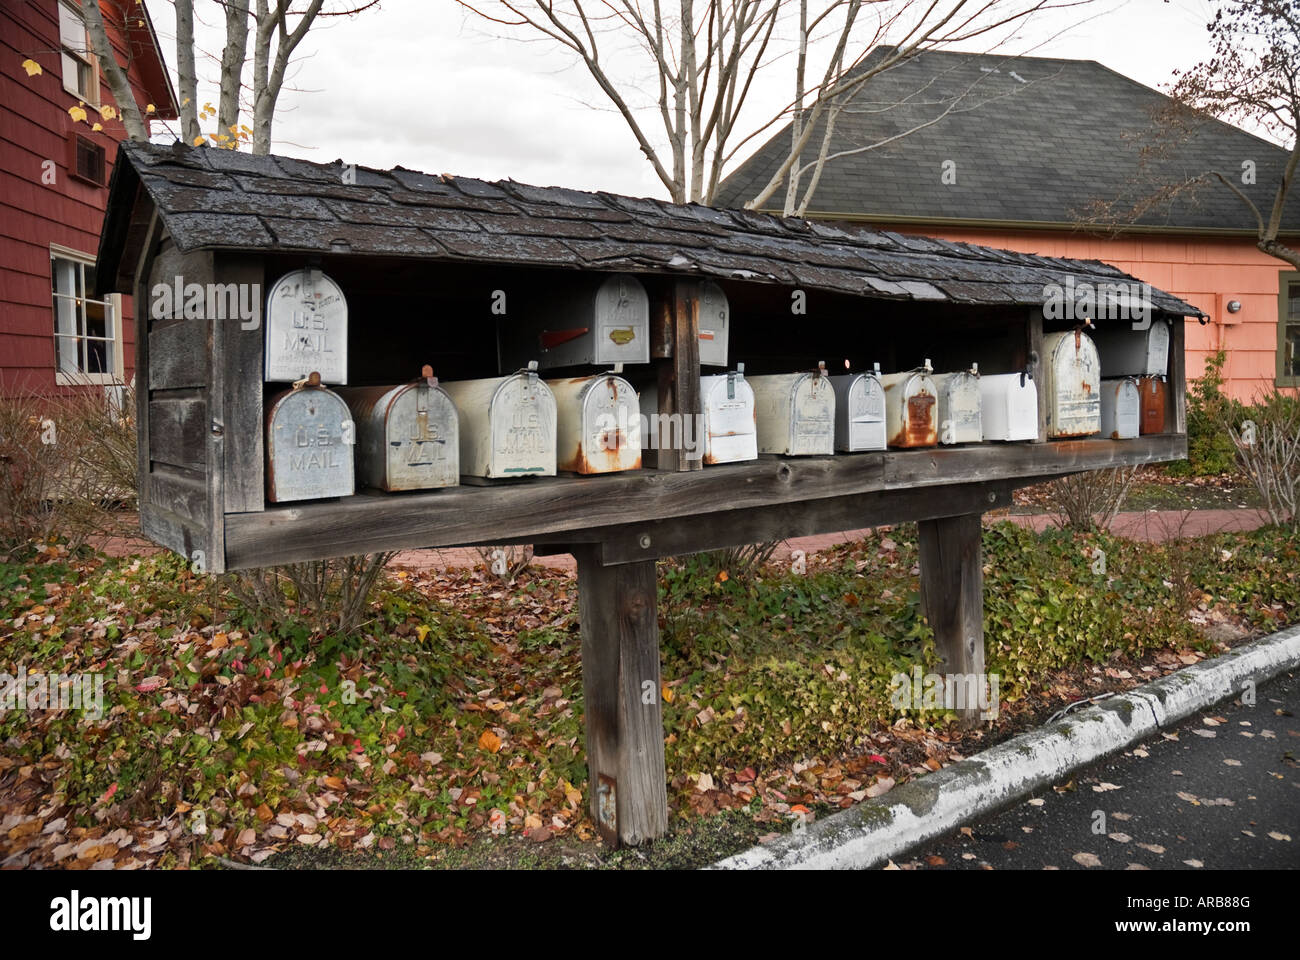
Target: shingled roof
(223,200)
(1033,139)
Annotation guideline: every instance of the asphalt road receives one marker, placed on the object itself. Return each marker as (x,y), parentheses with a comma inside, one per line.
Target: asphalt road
(1220,791)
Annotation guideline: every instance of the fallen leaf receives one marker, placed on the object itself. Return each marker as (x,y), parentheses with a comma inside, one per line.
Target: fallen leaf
(489,741)
(1087,859)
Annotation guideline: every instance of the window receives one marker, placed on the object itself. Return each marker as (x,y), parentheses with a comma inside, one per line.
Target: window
(87,335)
(80,69)
(87,161)
(1288,330)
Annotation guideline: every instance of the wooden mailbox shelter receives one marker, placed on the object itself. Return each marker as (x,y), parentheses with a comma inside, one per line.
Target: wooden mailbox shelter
(435,267)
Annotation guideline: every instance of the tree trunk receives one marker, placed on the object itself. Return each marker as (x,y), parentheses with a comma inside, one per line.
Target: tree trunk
(136,126)
(187,79)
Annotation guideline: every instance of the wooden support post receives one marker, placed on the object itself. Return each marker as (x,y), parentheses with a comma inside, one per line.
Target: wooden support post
(1176,384)
(675,344)
(618,611)
(952,595)
(1037,366)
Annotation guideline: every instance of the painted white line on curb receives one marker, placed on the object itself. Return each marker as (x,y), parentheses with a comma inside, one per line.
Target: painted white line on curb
(874,831)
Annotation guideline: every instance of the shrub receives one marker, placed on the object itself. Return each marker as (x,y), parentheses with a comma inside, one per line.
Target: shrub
(331,596)
(1089,501)
(1210,449)
(1270,454)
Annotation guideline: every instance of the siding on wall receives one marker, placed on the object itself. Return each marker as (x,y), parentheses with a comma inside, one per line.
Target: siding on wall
(34,127)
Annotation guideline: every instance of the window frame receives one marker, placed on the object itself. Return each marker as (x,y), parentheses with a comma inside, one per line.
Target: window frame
(85,55)
(112,305)
(1285,279)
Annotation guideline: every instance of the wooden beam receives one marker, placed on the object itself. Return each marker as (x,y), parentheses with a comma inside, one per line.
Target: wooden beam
(241,405)
(1176,394)
(627,787)
(952,594)
(675,343)
(1037,364)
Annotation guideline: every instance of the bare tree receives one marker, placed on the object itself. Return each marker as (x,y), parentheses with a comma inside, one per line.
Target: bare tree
(114,75)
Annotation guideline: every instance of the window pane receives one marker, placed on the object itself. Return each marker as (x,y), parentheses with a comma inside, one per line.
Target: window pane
(1291,351)
(65,276)
(69,354)
(1293,300)
(95,325)
(72,30)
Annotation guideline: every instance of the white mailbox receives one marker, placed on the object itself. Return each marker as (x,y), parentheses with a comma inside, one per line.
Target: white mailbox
(859,411)
(1125,352)
(507,426)
(598,424)
(306,328)
(1071,384)
(1009,407)
(911,408)
(725,432)
(407,436)
(715,323)
(1121,413)
(601,319)
(795,413)
(309,441)
(959,406)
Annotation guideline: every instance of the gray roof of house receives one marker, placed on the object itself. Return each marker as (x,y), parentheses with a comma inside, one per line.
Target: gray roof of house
(224,200)
(1032,140)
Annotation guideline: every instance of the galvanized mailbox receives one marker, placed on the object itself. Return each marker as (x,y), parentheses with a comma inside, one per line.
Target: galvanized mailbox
(1120,417)
(725,431)
(911,408)
(1152,392)
(859,411)
(1125,352)
(959,406)
(507,425)
(306,328)
(1009,407)
(795,413)
(600,320)
(309,442)
(1072,384)
(407,435)
(598,424)
(715,322)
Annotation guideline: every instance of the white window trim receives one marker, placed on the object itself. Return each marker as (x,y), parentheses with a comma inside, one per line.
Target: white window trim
(81,379)
(91,96)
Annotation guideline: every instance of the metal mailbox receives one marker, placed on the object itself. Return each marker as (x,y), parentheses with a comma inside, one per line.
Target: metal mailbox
(507,425)
(795,413)
(1120,417)
(1152,391)
(959,406)
(859,411)
(407,436)
(309,442)
(601,320)
(1072,384)
(306,328)
(598,424)
(1126,352)
(715,324)
(911,408)
(1009,407)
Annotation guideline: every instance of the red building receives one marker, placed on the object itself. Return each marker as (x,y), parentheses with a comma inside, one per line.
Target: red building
(54,173)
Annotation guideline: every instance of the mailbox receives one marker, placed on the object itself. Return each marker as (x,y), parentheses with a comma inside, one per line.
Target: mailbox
(599,320)
(1072,384)
(1151,391)
(795,413)
(507,425)
(715,323)
(911,408)
(1120,418)
(407,436)
(1009,407)
(1125,352)
(959,407)
(598,424)
(859,411)
(306,328)
(309,442)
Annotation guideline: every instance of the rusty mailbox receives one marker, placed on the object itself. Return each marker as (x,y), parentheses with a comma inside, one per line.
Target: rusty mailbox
(306,328)
(598,424)
(507,425)
(1009,407)
(911,407)
(795,413)
(407,435)
(600,320)
(1152,393)
(1120,414)
(1072,384)
(859,411)
(309,444)
(1128,352)
(959,406)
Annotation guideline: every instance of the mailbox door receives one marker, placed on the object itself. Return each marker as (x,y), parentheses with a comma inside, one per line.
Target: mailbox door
(959,408)
(731,434)
(598,424)
(812,415)
(859,412)
(622,321)
(422,439)
(1008,407)
(1073,384)
(911,409)
(522,427)
(715,322)
(309,434)
(1119,408)
(1151,392)
(306,328)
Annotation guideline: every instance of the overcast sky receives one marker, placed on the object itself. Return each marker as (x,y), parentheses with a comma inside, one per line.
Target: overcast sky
(423,84)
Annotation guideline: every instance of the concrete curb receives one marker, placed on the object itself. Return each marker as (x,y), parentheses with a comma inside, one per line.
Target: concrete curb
(874,831)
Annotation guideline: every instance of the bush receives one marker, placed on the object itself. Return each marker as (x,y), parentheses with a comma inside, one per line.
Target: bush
(1089,501)
(328,595)
(1270,454)
(1210,449)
